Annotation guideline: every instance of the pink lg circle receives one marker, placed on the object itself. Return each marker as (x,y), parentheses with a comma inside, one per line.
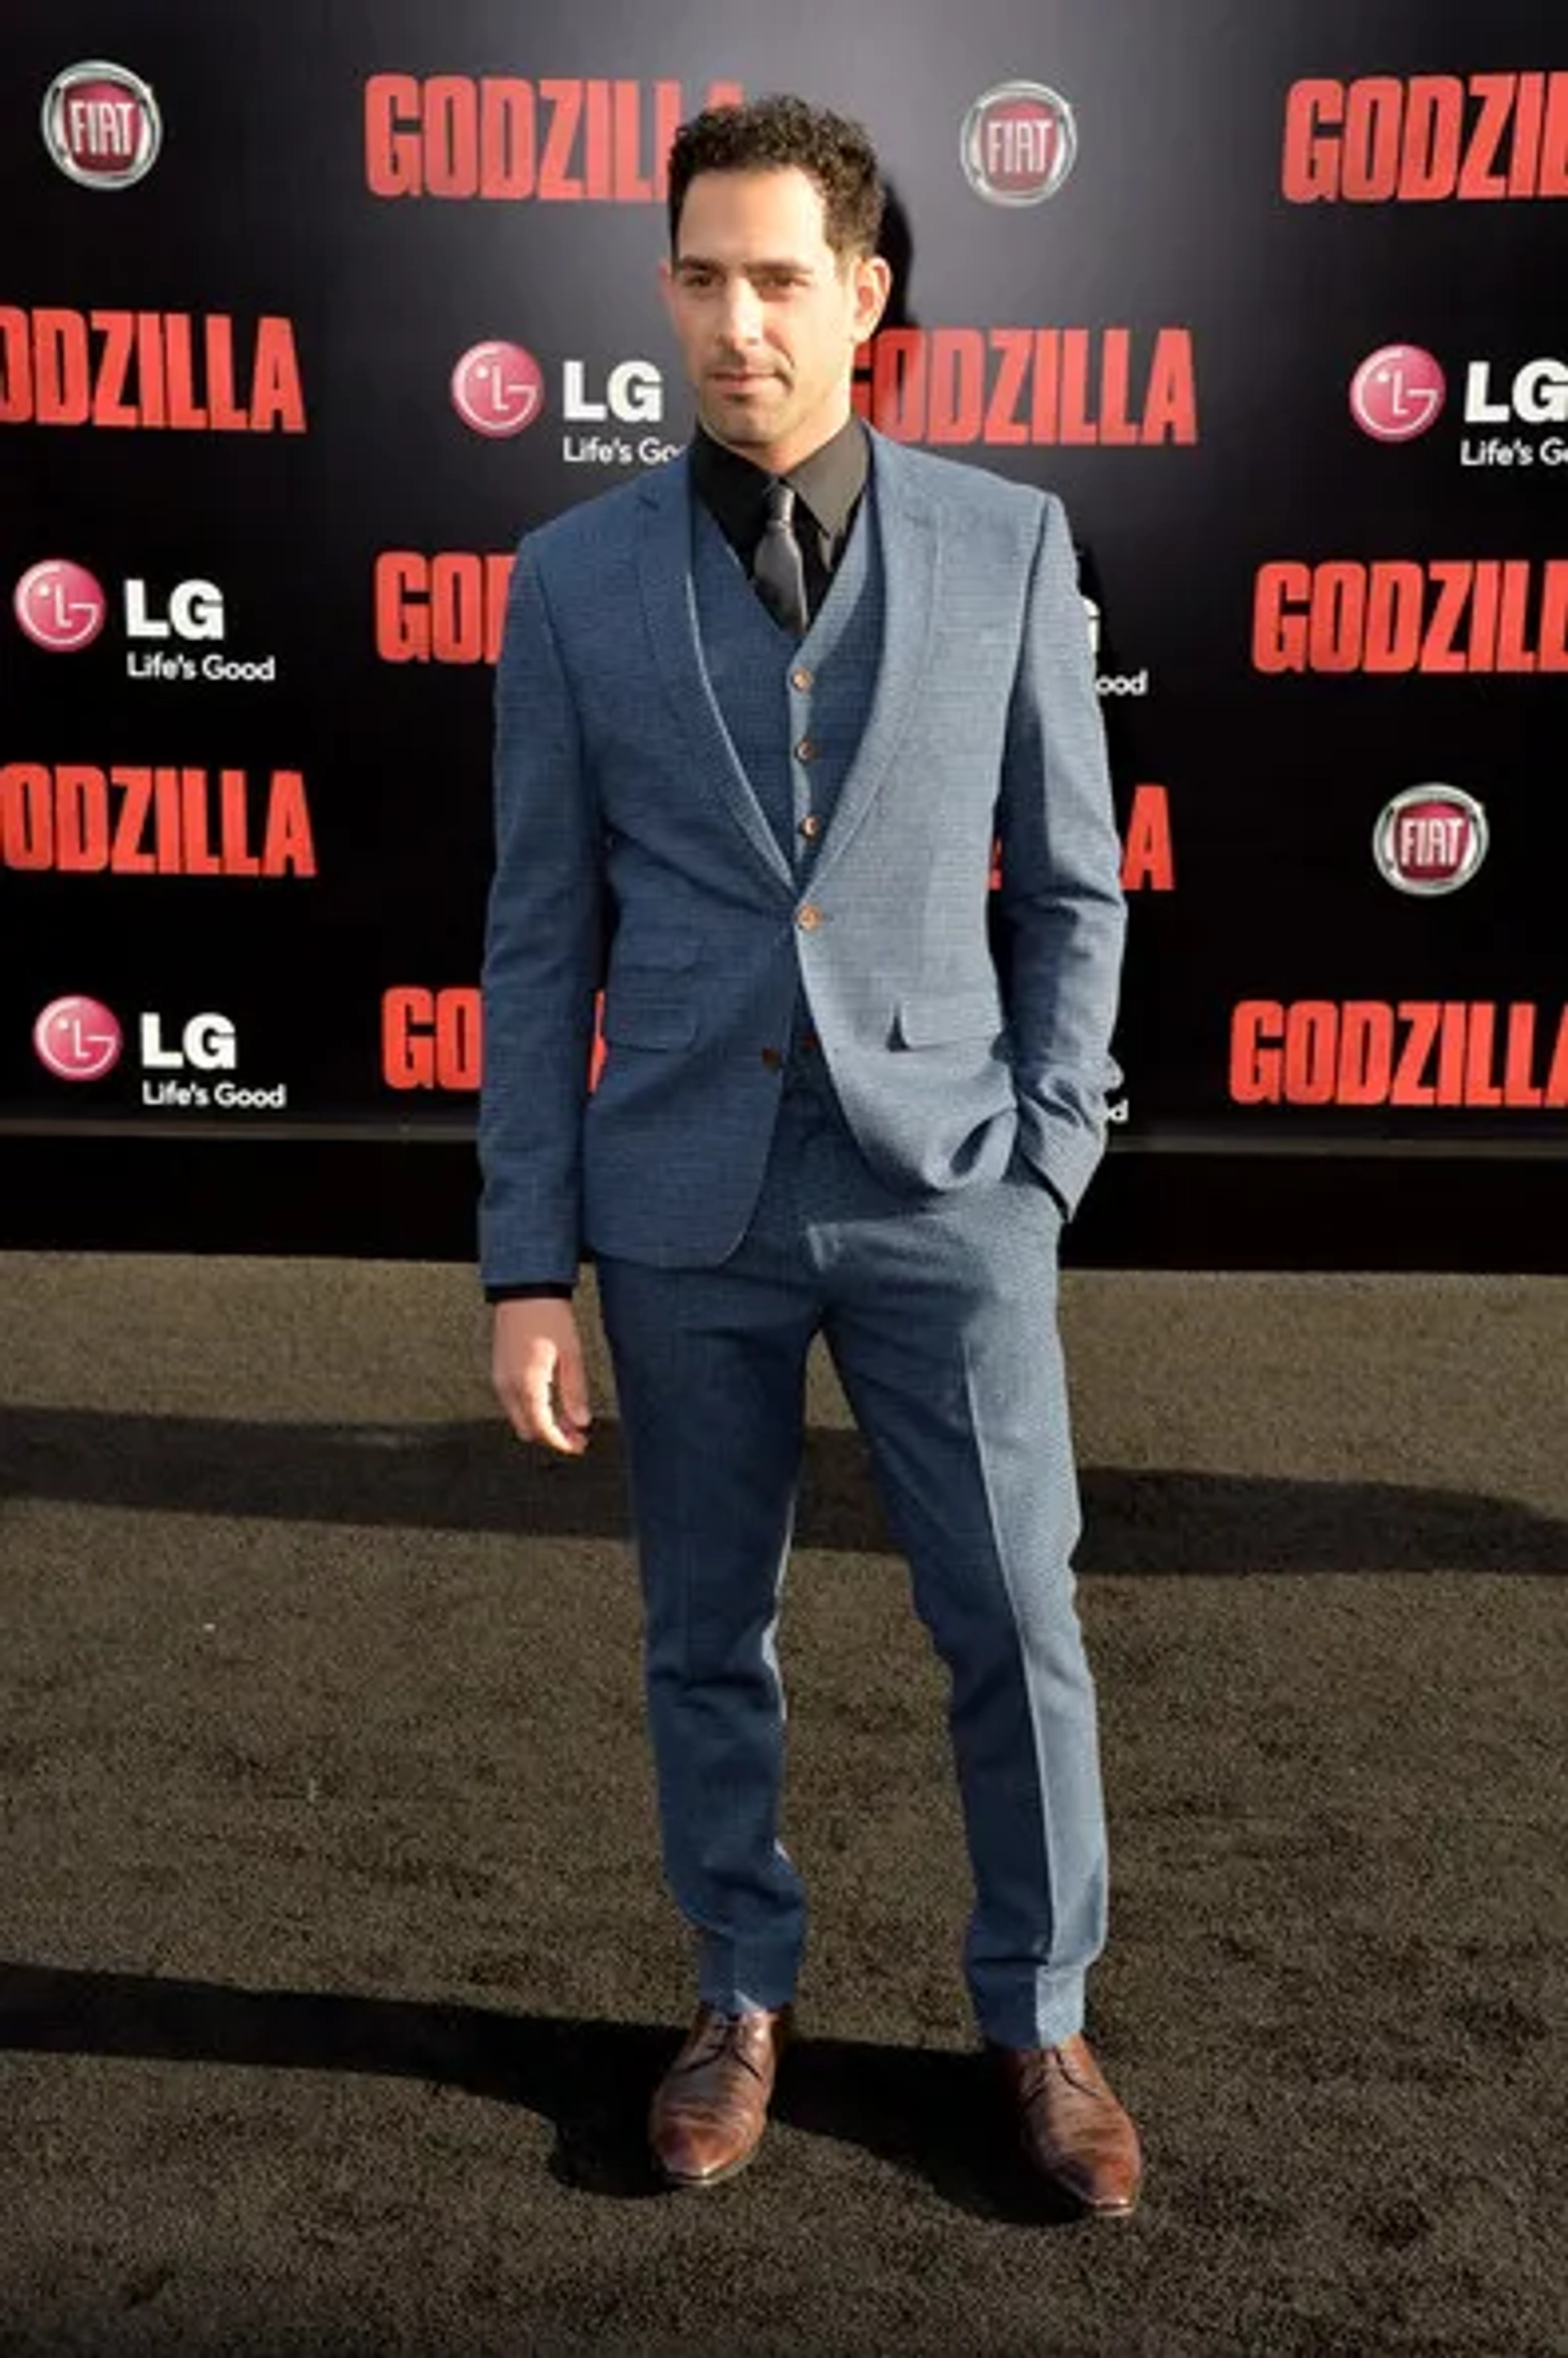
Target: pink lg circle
(497,388)
(78,1039)
(1397,393)
(59,605)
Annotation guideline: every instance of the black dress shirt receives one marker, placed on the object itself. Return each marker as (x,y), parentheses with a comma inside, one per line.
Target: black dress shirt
(828,487)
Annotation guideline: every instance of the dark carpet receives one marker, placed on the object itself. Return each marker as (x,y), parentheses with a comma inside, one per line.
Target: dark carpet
(335,1968)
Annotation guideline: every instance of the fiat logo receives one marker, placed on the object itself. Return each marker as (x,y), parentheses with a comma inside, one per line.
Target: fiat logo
(1018,144)
(101,125)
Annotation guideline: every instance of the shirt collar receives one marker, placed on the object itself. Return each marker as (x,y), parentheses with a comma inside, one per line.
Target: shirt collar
(829,483)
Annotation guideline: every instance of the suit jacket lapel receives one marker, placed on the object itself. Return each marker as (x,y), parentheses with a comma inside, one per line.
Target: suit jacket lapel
(669,613)
(910,547)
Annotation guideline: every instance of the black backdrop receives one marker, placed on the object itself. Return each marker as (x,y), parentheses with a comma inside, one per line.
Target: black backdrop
(1302,618)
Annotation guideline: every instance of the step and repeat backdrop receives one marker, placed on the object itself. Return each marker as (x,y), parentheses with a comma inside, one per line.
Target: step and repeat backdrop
(307,313)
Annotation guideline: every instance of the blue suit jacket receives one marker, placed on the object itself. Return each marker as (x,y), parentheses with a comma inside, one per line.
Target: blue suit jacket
(632,855)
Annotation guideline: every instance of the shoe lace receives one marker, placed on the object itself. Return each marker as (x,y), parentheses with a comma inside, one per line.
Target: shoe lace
(721,2034)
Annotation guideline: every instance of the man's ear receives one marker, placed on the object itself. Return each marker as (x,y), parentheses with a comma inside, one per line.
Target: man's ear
(873,285)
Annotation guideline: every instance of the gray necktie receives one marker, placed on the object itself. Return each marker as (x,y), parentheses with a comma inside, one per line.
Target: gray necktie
(777,569)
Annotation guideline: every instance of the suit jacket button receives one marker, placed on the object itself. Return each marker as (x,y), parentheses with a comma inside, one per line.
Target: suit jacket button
(808,918)
(772,1059)
(800,678)
(811,826)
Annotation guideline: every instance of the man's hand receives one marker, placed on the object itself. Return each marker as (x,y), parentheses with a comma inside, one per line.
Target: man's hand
(536,1364)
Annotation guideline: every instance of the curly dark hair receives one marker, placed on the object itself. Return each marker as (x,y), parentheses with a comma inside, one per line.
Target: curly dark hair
(772,134)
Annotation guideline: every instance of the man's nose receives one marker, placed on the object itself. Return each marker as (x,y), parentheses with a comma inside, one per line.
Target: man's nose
(740,314)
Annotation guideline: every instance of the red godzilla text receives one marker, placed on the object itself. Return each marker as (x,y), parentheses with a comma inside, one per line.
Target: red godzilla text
(500,136)
(1379,140)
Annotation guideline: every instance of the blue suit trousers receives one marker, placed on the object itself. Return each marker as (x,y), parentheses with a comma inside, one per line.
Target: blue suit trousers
(939,1312)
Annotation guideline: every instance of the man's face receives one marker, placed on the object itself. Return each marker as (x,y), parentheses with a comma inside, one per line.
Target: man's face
(767,315)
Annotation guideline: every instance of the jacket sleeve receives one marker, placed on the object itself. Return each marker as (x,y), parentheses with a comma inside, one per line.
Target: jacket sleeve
(542,957)
(1060,914)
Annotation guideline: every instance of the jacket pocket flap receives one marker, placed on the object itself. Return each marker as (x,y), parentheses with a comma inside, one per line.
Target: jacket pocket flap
(930,1018)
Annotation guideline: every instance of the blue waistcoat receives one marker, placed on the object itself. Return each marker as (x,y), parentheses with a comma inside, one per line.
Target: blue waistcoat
(794,712)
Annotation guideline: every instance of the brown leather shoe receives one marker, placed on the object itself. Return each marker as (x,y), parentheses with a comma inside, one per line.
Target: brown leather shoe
(712,2106)
(1073,2131)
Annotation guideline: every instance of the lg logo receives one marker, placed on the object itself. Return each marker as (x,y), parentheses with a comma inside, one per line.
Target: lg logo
(79,1038)
(1400,390)
(1397,393)
(1538,394)
(633,394)
(207,1043)
(195,610)
(498,390)
(59,605)
(62,608)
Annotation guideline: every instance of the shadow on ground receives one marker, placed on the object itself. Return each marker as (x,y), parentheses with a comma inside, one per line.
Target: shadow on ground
(931,2113)
(471,1476)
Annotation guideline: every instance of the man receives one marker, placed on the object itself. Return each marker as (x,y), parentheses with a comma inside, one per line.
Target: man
(765,719)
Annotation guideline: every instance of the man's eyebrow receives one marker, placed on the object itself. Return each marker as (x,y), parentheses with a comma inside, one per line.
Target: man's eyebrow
(760,262)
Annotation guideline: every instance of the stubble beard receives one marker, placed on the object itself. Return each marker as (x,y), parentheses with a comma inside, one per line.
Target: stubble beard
(743,425)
